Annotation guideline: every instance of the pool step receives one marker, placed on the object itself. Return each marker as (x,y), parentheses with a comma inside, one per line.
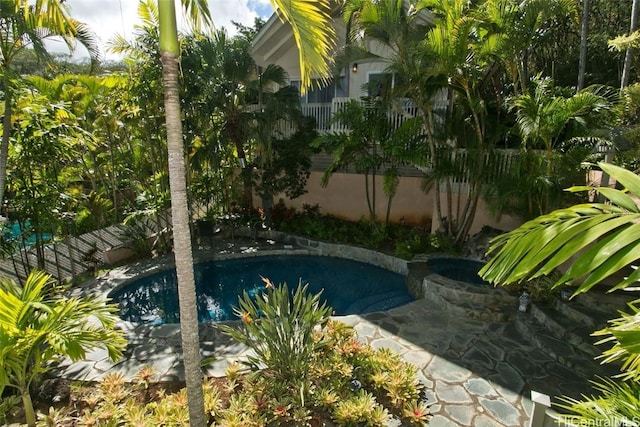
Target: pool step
(378,302)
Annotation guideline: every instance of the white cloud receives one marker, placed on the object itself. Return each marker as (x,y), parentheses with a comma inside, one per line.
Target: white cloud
(109,17)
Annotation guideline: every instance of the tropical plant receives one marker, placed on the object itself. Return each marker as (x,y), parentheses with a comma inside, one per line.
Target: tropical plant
(444,56)
(289,165)
(240,106)
(24,25)
(44,145)
(546,117)
(39,327)
(598,240)
(370,141)
(280,331)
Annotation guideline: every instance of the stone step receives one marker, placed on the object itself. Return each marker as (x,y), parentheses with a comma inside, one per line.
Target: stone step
(561,350)
(456,291)
(378,302)
(590,316)
(496,312)
(564,328)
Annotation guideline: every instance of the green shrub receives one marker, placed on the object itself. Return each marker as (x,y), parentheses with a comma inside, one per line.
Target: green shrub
(280,331)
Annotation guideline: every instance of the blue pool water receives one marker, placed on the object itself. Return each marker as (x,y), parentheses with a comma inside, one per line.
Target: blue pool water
(455,268)
(350,287)
(23,235)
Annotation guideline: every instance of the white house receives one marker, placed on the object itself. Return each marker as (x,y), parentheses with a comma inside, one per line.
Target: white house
(344,196)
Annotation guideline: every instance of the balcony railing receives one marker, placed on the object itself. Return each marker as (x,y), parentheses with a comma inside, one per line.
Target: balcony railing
(322,113)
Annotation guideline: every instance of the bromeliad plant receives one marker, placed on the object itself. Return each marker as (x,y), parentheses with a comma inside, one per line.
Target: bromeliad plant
(599,239)
(307,368)
(39,326)
(280,330)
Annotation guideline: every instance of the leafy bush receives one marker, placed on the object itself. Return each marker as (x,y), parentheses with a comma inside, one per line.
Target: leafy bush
(403,241)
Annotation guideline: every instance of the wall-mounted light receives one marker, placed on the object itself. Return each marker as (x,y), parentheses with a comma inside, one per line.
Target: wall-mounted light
(354,67)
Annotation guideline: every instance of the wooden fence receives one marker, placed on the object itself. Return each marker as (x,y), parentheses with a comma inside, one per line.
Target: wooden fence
(73,256)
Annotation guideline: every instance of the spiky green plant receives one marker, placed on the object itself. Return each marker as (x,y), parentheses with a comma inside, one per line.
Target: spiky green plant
(617,404)
(308,367)
(279,328)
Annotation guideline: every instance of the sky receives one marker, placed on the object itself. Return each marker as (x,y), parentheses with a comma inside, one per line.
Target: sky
(109,17)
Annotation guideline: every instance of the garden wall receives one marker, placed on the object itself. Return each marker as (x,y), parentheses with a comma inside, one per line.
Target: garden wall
(345,197)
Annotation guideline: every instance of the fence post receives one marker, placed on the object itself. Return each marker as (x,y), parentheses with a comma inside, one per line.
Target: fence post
(541,402)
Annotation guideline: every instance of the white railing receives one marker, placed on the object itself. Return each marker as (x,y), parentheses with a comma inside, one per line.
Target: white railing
(322,112)
(400,111)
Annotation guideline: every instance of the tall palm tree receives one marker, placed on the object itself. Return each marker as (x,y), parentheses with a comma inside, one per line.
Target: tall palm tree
(626,71)
(25,24)
(314,38)
(584,33)
(438,45)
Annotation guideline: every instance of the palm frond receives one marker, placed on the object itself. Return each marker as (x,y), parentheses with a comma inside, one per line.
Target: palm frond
(625,41)
(600,239)
(618,404)
(314,38)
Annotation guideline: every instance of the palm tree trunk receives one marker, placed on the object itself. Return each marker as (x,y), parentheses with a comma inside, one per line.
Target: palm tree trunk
(629,55)
(426,111)
(583,44)
(170,50)
(29,412)
(6,134)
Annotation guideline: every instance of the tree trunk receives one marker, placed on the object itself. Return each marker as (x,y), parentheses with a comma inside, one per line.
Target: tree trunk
(6,134)
(170,50)
(29,411)
(629,55)
(583,44)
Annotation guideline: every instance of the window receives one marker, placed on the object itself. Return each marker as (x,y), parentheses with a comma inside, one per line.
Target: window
(379,84)
(320,94)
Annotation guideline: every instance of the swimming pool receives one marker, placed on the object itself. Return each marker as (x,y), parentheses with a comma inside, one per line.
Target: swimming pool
(350,287)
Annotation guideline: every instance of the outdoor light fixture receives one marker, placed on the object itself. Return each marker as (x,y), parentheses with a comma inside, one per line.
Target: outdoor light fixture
(354,67)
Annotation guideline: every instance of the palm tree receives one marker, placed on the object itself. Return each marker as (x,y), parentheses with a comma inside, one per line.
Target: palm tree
(584,33)
(543,117)
(598,240)
(25,24)
(314,39)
